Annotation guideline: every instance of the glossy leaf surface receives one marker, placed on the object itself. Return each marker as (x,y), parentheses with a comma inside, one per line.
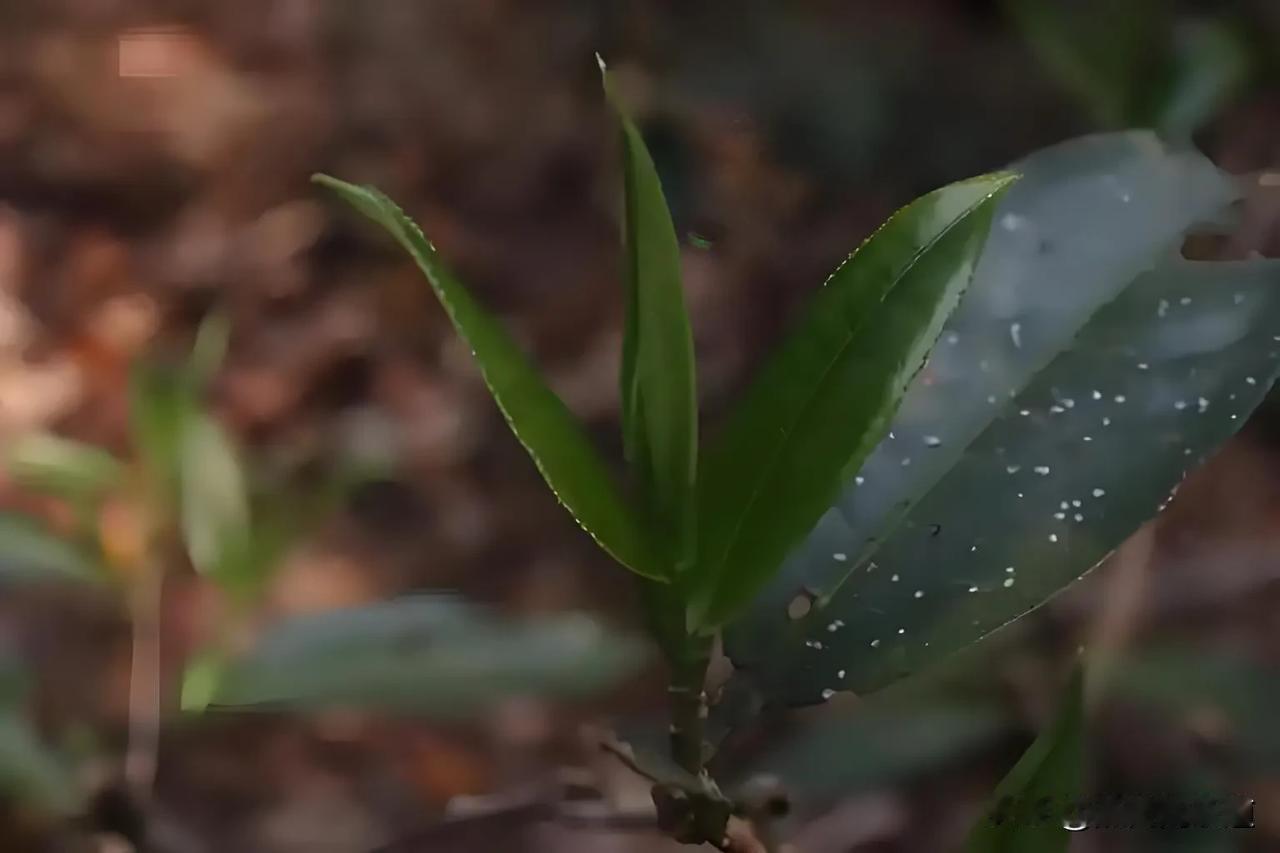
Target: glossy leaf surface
(825,398)
(658,388)
(1069,395)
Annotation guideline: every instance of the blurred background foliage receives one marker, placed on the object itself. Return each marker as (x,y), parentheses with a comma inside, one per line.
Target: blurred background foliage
(154,157)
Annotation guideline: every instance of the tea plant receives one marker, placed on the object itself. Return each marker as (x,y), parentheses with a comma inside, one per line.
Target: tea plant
(848,526)
(183,490)
(184,497)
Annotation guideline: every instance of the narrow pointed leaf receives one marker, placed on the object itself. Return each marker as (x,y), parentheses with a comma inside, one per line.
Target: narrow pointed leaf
(214,500)
(825,398)
(62,467)
(553,437)
(1067,399)
(431,655)
(1032,803)
(659,397)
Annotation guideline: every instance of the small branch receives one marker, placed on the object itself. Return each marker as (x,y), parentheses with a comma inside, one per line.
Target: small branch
(144,684)
(624,753)
(740,837)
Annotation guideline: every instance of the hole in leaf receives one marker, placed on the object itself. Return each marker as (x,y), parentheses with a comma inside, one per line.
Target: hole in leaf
(800,606)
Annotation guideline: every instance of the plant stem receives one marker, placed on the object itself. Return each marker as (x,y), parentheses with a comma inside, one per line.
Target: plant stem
(688,656)
(689,702)
(144,684)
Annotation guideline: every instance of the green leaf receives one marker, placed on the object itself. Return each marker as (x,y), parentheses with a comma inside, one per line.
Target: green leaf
(60,466)
(659,397)
(1112,57)
(30,553)
(554,438)
(209,349)
(875,747)
(214,501)
(432,655)
(1135,63)
(160,400)
(1069,395)
(200,679)
(1210,66)
(32,772)
(1037,797)
(826,397)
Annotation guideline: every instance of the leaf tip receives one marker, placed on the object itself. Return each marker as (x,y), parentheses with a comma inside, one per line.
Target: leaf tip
(1001,181)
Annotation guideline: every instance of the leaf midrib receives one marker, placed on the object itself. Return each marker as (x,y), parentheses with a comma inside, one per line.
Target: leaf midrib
(771,465)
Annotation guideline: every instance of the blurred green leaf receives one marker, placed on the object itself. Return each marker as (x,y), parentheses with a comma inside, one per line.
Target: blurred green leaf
(431,655)
(30,553)
(1071,392)
(553,437)
(62,467)
(825,398)
(1211,64)
(210,348)
(1034,801)
(1135,64)
(659,396)
(1185,681)
(160,401)
(877,746)
(200,678)
(32,772)
(1112,57)
(214,501)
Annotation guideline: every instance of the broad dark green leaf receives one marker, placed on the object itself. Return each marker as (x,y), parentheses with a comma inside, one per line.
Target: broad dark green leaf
(1210,66)
(431,655)
(1032,807)
(1069,395)
(214,503)
(30,554)
(553,437)
(825,398)
(659,397)
(60,466)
